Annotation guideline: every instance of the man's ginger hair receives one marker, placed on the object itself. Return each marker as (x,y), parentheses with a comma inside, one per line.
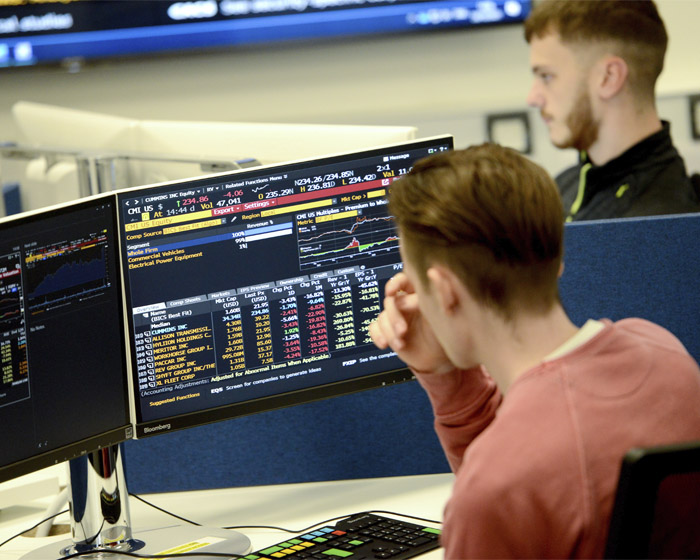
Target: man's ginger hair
(492,216)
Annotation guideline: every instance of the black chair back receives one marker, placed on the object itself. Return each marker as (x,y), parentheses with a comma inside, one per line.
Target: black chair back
(657,505)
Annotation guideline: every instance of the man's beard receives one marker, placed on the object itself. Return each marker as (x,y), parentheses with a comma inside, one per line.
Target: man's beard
(583,128)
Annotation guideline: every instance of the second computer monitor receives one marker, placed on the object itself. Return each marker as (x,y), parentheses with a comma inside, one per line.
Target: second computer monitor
(63,391)
(254,290)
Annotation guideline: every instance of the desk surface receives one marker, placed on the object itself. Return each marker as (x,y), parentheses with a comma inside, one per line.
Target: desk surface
(293,506)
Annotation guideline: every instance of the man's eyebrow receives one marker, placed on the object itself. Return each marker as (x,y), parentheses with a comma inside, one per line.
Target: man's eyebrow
(537,68)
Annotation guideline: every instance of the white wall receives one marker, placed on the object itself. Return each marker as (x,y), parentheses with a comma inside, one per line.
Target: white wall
(441,82)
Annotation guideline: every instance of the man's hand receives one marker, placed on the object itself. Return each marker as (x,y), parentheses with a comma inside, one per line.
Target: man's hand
(402,327)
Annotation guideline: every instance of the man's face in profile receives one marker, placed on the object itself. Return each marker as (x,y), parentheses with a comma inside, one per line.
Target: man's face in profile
(560,92)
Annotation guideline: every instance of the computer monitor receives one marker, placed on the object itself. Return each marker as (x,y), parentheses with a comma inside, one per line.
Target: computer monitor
(64,385)
(253,290)
(63,390)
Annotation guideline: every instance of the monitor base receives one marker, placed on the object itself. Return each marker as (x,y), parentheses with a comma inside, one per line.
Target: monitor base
(161,541)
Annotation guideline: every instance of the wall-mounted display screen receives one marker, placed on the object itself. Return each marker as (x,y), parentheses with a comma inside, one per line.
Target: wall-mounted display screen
(34,32)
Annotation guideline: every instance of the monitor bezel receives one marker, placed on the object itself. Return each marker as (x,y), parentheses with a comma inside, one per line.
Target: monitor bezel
(143,429)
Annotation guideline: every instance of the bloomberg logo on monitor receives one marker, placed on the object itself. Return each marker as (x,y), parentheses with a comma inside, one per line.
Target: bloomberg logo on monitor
(158,428)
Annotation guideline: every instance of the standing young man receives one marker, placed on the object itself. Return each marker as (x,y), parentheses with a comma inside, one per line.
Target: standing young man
(476,313)
(595,66)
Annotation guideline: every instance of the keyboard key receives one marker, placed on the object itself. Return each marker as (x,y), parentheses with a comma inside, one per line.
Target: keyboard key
(337,552)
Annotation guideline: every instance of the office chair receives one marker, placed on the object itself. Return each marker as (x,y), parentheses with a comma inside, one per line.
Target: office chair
(657,505)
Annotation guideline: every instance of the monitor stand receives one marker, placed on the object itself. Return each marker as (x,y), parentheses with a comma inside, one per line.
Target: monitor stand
(100,518)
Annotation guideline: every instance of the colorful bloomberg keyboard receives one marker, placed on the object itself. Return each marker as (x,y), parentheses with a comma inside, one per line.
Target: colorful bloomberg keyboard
(362,536)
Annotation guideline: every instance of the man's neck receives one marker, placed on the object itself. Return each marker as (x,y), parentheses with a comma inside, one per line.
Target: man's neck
(512,348)
(620,131)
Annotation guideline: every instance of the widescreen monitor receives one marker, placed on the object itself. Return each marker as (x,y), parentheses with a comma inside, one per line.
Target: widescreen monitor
(253,290)
(33,32)
(63,391)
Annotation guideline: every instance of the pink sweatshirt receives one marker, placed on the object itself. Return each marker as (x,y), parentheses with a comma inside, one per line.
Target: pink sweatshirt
(536,471)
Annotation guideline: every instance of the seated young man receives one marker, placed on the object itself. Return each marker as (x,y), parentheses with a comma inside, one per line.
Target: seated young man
(534,413)
(595,67)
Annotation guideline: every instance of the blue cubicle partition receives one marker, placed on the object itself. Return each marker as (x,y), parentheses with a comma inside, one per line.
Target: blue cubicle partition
(638,267)
(645,267)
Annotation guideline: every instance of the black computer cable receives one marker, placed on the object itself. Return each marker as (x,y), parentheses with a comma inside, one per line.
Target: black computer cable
(33,527)
(283,529)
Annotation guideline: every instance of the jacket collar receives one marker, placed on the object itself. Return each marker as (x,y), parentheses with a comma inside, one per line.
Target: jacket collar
(646,152)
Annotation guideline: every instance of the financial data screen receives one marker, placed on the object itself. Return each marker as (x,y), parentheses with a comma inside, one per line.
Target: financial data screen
(62,350)
(40,31)
(251,285)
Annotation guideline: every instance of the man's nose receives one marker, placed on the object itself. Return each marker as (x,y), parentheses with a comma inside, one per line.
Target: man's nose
(534,97)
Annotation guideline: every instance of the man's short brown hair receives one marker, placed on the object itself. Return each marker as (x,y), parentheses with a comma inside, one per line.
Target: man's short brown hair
(632,28)
(491,215)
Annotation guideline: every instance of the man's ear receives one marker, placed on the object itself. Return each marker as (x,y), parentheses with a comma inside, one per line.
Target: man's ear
(611,76)
(444,285)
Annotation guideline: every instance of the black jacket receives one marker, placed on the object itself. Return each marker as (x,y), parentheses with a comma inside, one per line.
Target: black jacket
(648,179)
